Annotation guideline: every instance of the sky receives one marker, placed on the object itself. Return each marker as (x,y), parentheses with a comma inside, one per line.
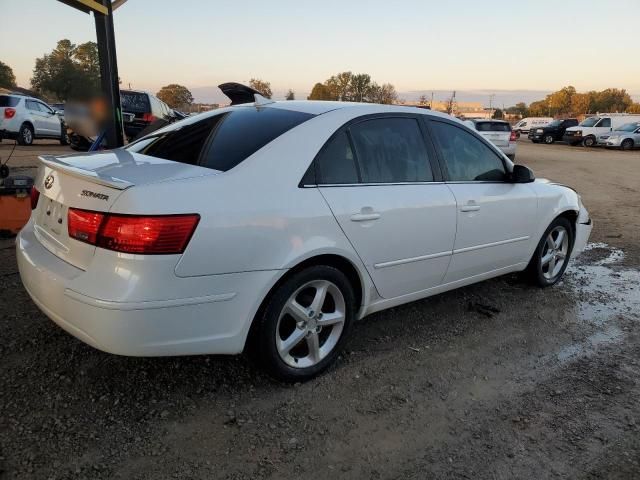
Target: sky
(515,49)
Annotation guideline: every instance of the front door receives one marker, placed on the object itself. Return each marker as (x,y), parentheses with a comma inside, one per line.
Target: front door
(377,178)
(496,218)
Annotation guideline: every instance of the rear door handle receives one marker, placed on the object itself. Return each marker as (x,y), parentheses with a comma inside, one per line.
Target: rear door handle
(363,217)
(471,206)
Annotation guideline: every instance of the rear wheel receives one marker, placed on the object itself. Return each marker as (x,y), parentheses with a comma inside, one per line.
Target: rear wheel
(25,134)
(552,254)
(548,139)
(627,144)
(589,141)
(304,324)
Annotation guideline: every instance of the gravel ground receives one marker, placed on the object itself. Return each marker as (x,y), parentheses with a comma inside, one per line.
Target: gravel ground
(498,380)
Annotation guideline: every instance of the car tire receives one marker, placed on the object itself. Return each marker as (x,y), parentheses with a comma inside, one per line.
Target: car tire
(589,142)
(25,134)
(291,340)
(64,137)
(627,144)
(548,139)
(555,245)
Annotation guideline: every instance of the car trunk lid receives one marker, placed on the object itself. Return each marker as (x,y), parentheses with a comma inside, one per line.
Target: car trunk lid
(93,182)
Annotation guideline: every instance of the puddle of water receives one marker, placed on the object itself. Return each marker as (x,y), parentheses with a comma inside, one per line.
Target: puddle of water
(604,291)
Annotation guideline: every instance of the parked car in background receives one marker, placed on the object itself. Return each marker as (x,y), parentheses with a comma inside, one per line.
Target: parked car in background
(590,129)
(26,119)
(553,132)
(526,124)
(497,132)
(626,137)
(271,227)
(140,110)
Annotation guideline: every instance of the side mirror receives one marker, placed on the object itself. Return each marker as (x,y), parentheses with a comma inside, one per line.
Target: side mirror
(522,174)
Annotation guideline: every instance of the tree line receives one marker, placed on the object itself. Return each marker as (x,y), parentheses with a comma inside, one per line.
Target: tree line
(350,87)
(567,102)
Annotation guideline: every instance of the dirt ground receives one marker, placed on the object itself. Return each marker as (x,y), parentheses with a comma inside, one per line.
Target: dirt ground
(499,380)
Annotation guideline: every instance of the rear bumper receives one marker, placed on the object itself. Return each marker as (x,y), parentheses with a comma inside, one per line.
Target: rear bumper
(8,134)
(510,150)
(216,321)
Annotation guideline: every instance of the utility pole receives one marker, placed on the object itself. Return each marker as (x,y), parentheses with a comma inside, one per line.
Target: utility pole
(491,97)
(431,104)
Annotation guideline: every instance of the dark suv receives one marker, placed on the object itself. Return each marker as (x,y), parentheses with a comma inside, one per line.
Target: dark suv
(553,132)
(141,109)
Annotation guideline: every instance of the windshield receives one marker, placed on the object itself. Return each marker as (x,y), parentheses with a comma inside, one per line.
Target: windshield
(589,122)
(555,123)
(628,127)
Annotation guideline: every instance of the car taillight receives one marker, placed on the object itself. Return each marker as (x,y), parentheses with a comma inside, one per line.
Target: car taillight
(35,196)
(153,234)
(84,225)
(148,117)
(9,112)
(514,136)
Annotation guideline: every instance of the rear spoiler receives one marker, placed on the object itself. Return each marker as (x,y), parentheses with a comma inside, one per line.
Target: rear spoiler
(239,94)
(95,177)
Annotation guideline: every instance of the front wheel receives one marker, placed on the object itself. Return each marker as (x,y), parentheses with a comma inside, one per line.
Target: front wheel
(548,139)
(304,324)
(64,136)
(627,144)
(552,254)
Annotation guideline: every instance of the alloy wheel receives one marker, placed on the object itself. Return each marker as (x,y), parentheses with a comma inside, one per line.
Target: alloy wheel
(27,136)
(627,144)
(310,324)
(555,252)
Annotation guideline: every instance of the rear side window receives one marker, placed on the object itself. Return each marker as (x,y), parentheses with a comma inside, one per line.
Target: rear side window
(336,162)
(467,158)
(391,150)
(134,102)
(493,127)
(220,141)
(31,105)
(7,101)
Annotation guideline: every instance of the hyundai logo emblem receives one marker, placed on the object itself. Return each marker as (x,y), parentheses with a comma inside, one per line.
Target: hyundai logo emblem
(48,182)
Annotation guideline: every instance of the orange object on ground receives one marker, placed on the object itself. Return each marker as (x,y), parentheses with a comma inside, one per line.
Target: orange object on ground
(15,205)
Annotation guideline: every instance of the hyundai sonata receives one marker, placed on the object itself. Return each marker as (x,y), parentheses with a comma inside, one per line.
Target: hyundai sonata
(273,226)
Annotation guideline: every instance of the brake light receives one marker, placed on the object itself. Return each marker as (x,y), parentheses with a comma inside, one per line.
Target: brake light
(148,117)
(9,112)
(35,196)
(84,225)
(154,234)
(514,136)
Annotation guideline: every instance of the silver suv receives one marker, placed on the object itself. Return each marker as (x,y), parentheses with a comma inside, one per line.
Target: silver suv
(25,119)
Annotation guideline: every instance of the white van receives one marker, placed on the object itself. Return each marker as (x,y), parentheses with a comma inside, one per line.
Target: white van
(526,124)
(591,128)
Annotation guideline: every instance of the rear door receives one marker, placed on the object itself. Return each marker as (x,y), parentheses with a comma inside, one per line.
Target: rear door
(39,122)
(495,217)
(378,177)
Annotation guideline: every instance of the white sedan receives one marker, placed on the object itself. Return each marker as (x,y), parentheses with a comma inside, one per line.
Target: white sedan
(272,226)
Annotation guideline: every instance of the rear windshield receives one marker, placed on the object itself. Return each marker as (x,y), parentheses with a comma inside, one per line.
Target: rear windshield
(493,127)
(7,101)
(134,102)
(220,141)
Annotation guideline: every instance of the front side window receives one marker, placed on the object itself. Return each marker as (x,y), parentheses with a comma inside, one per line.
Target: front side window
(44,108)
(605,122)
(467,158)
(31,105)
(222,140)
(391,150)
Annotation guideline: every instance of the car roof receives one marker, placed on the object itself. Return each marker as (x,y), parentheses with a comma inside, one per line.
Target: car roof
(480,120)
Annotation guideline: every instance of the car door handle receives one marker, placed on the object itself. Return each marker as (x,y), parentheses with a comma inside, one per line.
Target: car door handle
(363,217)
(470,207)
